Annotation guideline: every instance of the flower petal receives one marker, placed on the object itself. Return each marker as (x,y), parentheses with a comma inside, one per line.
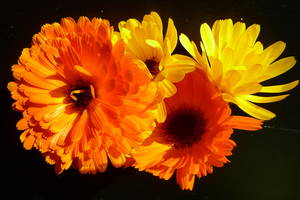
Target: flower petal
(279,67)
(259,99)
(172,34)
(279,88)
(208,39)
(254,110)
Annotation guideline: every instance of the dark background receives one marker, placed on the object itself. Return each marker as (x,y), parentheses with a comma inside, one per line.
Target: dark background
(265,164)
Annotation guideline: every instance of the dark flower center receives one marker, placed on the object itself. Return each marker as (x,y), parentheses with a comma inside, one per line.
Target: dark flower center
(81,94)
(184,127)
(153,66)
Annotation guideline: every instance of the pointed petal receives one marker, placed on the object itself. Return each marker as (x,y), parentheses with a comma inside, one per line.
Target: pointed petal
(279,67)
(273,52)
(244,123)
(208,39)
(259,99)
(172,34)
(253,32)
(279,88)
(254,110)
(187,44)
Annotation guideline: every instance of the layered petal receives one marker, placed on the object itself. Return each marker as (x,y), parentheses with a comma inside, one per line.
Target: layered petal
(85,102)
(238,64)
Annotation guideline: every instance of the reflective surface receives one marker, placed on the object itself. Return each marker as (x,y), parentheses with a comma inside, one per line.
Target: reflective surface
(264,165)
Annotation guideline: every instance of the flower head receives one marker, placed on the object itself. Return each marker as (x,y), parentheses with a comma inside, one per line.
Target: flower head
(196,134)
(237,64)
(153,52)
(83,100)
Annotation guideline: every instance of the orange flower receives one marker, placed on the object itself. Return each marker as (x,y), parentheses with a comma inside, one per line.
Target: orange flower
(195,136)
(82,98)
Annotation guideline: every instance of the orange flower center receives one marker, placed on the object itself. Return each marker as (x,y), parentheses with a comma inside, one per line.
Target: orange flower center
(153,66)
(184,127)
(81,94)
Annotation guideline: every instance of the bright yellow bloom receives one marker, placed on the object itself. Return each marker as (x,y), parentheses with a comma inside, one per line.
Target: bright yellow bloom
(237,63)
(153,52)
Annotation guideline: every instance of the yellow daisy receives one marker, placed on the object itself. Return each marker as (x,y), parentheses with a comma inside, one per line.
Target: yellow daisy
(237,63)
(153,52)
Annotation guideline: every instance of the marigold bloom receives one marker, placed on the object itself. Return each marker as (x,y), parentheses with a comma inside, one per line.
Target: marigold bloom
(145,42)
(237,64)
(196,134)
(82,98)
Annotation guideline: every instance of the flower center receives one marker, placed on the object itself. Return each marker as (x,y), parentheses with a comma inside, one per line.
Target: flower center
(184,127)
(153,66)
(81,94)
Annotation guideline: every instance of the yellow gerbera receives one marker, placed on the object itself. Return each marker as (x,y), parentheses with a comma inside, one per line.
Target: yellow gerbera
(144,42)
(237,63)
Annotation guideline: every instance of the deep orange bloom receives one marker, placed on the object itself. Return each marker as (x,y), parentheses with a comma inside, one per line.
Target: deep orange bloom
(196,134)
(83,100)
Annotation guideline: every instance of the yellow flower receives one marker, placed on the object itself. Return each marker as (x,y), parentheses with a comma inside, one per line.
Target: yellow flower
(237,63)
(153,52)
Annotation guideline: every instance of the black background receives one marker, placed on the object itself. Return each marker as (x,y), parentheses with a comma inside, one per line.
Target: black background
(264,165)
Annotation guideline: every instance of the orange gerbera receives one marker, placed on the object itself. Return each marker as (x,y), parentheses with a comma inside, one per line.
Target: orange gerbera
(82,99)
(196,134)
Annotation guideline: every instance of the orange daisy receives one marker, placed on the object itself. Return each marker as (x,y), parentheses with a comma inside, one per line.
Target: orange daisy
(196,134)
(83,100)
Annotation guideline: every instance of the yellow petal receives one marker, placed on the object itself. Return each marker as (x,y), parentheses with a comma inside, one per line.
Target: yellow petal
(280,67)
(192,49)
(279,88)
(156,18)
(273,52)
(153,43)
(253,32)
(259,99)
(174,75)
(187,63)
(208,39)
(225,33)
(230,80)
(176,68)
(238,29)
(187,44)
(254,110)
(217,71)
(172,34)
(167,88)
(248,88)
(160,112)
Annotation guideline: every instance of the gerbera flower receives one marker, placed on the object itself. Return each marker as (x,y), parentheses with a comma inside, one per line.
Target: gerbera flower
(83,100)
(145,42)
(237,64)
(196,134)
